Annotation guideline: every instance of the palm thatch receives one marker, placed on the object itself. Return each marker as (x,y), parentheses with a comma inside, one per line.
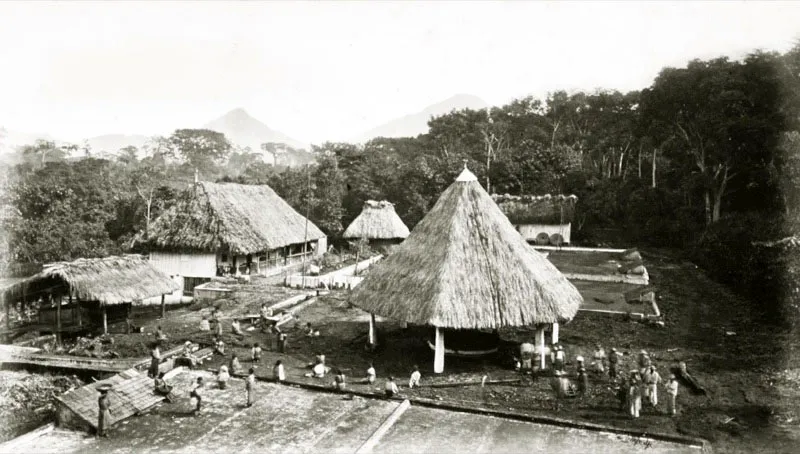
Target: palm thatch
(531,209)
(464,266)
(377,221)
(246,219)
(110,280)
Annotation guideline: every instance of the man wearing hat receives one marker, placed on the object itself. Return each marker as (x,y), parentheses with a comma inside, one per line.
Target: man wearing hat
(104,413)
(672,394)
(644,361)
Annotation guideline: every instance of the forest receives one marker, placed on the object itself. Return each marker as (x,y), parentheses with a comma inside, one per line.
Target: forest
(704,163)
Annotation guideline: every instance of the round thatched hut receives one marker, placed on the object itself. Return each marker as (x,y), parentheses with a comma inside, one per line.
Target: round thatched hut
(379,224)
(465,267)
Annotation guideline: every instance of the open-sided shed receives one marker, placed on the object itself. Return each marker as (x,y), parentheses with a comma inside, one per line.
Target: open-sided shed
(90,287)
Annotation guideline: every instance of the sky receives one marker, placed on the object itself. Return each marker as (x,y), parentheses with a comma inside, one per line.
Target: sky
(331,70)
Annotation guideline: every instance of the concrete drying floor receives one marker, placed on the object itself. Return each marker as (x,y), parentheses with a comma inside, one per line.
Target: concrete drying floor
(287,419)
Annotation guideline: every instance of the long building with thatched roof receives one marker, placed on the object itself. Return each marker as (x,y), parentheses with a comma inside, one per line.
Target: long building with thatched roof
(91,288)
(222,228)
(545,219)
(464,266)
(378,223)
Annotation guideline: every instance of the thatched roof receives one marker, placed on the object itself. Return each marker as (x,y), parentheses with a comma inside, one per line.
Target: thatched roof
(464,266)
(377,221)
(531,209)
(244,218)
(109,280)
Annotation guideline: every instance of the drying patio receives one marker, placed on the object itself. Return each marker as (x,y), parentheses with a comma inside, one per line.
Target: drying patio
(288,419)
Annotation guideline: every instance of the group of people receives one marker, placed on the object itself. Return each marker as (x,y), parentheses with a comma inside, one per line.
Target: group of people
(640,384)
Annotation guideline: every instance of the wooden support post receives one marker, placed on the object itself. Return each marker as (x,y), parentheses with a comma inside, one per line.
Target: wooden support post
(7,304)
(372,337)
(438,356)
(163,307)
(540,341)
(78,308)
(128,318)
(555,333)
(58,319)
(105,321)
(71,309)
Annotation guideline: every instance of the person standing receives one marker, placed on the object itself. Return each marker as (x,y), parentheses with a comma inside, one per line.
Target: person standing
(583,380)
(155,360)
(599,359)
(250,386)
(255,353)
(559,357)
(613,363)
(104,411)
(222,377)
(652,380)
(278,372)
(390,389)
(644,361)
(282,344)
(371,375)
(634,396)
(415,377)
(196,392)
(672,394)
(235,367)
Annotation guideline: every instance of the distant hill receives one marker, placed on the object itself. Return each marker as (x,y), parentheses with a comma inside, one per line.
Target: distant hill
(415,124)
(244,130)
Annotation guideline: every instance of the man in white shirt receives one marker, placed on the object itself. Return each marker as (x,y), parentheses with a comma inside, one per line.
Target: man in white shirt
(391,387)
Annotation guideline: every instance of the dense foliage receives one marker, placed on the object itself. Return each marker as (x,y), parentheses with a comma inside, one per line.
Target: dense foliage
(705,160)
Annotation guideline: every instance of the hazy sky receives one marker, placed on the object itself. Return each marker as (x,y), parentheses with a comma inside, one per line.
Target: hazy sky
(332,70)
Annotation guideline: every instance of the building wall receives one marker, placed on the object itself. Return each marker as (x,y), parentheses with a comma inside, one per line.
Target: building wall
(179,266)
(530,231)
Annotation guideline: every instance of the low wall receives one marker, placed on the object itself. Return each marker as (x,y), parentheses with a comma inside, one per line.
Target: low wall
(638,279)
(342,278)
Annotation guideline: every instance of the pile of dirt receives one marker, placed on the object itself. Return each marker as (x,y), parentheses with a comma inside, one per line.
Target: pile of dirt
(97,347)
(26,400)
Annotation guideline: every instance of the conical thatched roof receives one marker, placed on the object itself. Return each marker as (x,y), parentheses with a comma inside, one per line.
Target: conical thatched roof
(109,280)
(464,266)
(377,221)
(245,218)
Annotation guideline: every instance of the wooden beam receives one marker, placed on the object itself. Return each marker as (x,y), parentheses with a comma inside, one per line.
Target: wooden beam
(372,338)
(163,307)
(555,333)
(105,321)
(438,356)
(128,318)
(78,308)
(58,319)
(540,339)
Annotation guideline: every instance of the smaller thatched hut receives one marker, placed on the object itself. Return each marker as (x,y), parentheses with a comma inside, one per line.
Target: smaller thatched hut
(379,224)
(91,287)
(545,219)
(465,267)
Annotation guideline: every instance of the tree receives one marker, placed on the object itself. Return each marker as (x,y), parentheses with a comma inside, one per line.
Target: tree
(44,151)
(202,149)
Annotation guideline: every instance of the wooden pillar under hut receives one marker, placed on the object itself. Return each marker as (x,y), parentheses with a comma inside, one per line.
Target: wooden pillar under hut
(163,307)
(78,308)
(540,341)
(58,319)
(105,320)
(372,339)
(128,317)
(438,355)
(555,333)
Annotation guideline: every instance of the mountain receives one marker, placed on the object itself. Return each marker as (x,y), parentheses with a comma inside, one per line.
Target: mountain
(415,124)
(243,130)
(10,139)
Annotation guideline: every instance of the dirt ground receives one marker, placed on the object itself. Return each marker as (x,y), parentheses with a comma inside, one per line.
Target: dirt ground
(752,374)
(753,398)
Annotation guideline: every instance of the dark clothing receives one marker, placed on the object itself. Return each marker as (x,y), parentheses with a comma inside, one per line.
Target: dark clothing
(104,415)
